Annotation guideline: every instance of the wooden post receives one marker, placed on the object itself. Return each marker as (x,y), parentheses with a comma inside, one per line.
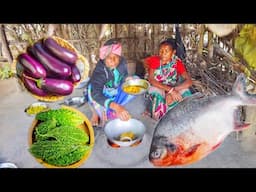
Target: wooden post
(145,40)
(210,45)
(116,30)
(5,45)
(201,40)
(153,38)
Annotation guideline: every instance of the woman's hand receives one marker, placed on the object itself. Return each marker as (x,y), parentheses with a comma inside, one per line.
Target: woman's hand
(175,95)
(128,78)
(169,99)
(132,77)
(120,111)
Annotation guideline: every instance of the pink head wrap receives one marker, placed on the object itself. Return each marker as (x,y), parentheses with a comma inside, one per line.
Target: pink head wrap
(107,49)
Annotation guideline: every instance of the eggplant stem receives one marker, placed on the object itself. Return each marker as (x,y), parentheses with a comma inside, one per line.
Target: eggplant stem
(38,81)
(31,78)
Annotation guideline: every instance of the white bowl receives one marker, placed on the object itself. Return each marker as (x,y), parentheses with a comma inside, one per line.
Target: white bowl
(115,128)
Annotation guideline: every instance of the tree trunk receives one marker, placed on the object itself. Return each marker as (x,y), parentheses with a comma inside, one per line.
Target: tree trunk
(5,46)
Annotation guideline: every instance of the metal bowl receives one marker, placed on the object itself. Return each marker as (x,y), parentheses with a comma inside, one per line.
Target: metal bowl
(35,108)
(8,165)
(124,133)
(135,86)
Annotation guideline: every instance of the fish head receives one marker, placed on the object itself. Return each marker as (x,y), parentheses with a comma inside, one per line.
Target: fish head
(170,153)
(162,152)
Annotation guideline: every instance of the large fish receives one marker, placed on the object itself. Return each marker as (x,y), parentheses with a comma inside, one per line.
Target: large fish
(197,126)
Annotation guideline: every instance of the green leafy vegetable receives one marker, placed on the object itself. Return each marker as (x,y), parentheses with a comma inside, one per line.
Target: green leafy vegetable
(62,116)
(58,139)
(58,153)
(43,127)
(66,133)
(70,158)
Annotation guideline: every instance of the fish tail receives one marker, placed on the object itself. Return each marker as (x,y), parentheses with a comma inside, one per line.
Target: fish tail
(239,89)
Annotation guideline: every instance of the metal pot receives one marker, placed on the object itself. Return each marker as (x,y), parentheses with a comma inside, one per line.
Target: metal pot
(124,133)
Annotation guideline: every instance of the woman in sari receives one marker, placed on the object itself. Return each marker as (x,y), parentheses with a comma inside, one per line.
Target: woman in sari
(169,79)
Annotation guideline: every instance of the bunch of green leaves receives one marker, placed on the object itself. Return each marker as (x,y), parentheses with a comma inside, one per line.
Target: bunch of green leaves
(245,45)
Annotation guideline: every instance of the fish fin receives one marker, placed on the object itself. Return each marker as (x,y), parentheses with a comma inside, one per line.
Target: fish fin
(191,150)
(241,126)
(239,87)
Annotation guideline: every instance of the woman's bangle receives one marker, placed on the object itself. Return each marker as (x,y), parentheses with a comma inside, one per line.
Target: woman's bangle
(171,90)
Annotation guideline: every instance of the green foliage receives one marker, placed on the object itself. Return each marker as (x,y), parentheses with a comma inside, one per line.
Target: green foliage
(5,72)
(245,45)
(62,116)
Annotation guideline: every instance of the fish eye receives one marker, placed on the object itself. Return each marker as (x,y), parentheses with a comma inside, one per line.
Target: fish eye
(156,154)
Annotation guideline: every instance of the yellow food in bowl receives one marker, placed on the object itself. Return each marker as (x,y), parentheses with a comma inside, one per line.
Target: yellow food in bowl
(132,89)
(32,110)
(125,135)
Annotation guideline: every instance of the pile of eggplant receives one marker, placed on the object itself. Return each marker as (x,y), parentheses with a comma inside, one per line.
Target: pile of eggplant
(48,69)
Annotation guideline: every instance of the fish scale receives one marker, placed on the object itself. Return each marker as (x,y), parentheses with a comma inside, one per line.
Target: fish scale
(190,107)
